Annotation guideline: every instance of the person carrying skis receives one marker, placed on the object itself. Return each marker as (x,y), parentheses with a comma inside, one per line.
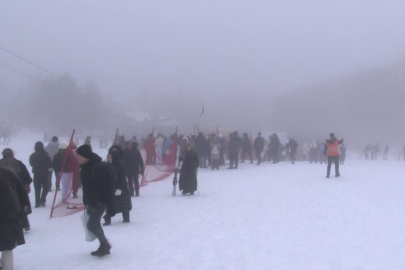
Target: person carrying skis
(331,150)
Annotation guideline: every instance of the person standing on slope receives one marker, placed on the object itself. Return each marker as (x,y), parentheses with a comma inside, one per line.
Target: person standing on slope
(331,150)
(235,144)
(188,172)
(134,166)
(258,146)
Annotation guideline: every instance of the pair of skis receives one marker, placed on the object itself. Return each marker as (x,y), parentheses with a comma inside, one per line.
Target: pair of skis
(176,171)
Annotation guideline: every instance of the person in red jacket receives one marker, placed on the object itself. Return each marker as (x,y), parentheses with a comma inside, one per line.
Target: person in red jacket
(332,151)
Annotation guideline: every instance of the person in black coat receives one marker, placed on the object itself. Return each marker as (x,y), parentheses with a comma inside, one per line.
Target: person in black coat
(274,148)
(122,199)
(292,147)
(246,148)
(22,172)
(235,144)
(13,198)
(98,193)
(258,146)
(134,166)
(41,164)
(188,172)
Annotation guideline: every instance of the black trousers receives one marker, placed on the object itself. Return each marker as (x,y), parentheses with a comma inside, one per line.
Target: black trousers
(334,159)
(41,184)
(94,223)
(125,217)
(133,180)
(234,159)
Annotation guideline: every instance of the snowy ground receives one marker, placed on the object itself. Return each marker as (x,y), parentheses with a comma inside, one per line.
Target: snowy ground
(280,217)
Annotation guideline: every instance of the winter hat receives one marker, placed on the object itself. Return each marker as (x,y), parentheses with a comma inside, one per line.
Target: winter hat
(39,146)
(63,145)
(85,151)
(7,153)
(55,139)
(332,135)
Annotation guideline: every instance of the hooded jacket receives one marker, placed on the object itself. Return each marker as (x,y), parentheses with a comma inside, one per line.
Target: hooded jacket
(97,187)
(40,161)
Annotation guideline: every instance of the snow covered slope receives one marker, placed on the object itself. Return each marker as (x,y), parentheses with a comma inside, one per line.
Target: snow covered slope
(279,217)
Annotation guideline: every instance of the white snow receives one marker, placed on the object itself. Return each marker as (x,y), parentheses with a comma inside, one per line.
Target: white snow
(281,217)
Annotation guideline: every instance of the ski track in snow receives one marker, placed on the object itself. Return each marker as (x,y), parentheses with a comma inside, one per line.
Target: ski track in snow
(283,217)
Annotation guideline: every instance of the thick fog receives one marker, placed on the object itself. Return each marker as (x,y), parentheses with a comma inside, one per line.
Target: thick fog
(290,66)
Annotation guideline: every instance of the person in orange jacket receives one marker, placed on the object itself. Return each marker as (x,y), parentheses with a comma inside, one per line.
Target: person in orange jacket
(331,150)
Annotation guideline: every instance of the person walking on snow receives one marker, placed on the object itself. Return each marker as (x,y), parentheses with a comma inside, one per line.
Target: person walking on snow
(98,194)
(40,163)
(331,150)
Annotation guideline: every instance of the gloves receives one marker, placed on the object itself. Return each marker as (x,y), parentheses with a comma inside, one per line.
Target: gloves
(111,210)
(118,192)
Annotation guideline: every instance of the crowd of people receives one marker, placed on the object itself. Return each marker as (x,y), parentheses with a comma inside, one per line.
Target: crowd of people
(108,186)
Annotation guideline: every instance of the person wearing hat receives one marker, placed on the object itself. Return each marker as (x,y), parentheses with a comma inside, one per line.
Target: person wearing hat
(40,163)
(331,150)
(52,149)
(98,194)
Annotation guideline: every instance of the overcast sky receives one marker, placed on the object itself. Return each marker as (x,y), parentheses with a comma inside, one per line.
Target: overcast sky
(210,45)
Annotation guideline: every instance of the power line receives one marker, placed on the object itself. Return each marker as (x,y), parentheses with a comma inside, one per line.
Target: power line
(22,73)
(28,61)
(63,78)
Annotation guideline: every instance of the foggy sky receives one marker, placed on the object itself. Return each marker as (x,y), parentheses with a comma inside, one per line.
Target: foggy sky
(264,47)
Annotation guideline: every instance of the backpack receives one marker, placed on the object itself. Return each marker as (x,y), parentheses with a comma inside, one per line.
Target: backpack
(112,176)
(215,150)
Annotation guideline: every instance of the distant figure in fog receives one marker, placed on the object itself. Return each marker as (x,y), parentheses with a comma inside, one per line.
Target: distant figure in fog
(40,163)
(332,152)
(342,157)
(386,150)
